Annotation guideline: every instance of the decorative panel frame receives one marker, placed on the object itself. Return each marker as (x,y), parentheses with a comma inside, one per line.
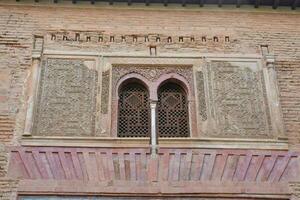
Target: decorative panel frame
(200,119)
(250,94)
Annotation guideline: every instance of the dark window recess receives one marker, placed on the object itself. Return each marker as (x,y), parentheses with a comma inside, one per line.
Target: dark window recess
(134,111)
(172,111)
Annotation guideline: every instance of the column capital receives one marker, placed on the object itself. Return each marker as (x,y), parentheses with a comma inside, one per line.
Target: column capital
(153,104)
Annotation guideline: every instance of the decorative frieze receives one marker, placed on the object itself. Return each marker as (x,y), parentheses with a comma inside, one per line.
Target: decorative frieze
(66,98)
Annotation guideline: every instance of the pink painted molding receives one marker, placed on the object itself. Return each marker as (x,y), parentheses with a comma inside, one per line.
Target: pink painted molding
(136,164)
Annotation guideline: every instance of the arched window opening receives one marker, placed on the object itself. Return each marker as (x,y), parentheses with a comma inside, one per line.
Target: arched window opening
(134,111)
(172,111)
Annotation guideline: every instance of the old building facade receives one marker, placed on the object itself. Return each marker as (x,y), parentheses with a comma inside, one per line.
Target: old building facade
(149,101)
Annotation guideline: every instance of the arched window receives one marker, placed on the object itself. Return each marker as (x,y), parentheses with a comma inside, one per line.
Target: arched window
(134,110)
(172,111)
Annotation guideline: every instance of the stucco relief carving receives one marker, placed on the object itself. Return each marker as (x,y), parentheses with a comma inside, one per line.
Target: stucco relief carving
(201,95)
(238,100)
(66,98)
(151,73)
(105,91)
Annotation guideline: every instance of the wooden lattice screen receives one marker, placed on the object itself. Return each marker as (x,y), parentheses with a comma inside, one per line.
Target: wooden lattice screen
(134,111)
(172,111)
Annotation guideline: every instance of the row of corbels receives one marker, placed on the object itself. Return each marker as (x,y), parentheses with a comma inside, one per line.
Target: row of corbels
(135,38)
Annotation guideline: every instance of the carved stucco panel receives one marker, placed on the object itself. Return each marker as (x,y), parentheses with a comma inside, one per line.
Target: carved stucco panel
(238,101)
(151,73)
(66,98)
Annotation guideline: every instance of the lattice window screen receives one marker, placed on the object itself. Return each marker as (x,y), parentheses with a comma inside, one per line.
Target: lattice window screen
(134,111)
(172,111)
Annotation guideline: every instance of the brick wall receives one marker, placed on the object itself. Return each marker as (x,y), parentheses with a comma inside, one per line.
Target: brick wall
(248,28)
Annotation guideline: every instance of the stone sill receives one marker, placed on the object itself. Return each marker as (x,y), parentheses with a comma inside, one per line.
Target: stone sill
(210,143)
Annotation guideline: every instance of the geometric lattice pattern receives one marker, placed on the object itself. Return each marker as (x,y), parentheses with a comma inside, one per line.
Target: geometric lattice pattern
(239,101)
(134,111)
(66,99)
(172,111)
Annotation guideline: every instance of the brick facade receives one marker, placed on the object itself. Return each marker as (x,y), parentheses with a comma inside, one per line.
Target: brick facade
(246,30)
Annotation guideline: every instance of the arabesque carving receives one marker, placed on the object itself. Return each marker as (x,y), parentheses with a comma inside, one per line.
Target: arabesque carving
(66,98)
(239,104)
(151,73)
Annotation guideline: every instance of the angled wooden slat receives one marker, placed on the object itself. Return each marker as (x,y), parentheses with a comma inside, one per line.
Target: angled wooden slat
(43,164)
(219,167)
(29,164)
(208,165)
(127,166)
(76,164)
(185,166)
(153,169)
(174,167)
(196,166)
(133,176)
(255,165)
(100,166)
(242,167)
(65,167)
(164,166)
(16,167)
(90,161)
(144,175)
(291,172)
(55,165)
(279,167)
(83,165)
(121,165)
(40,165)
(230,167)
(266,168)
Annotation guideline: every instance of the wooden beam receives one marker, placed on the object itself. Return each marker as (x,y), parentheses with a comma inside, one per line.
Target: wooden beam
(238,3)
(220,3)
(295,4)
(275,4)
(257,3)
